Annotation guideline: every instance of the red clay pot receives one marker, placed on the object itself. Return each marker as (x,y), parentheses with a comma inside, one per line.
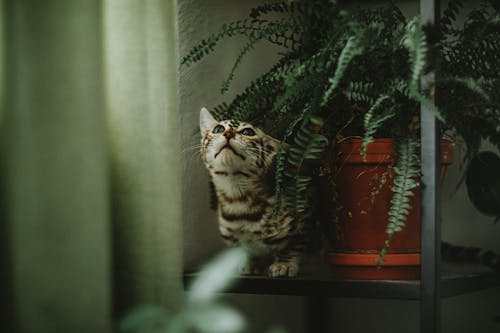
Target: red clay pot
(365,195)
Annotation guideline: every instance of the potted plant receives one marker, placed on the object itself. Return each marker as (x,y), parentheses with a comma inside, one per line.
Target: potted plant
(346,78)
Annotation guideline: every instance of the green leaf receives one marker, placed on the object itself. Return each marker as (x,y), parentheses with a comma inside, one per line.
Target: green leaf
(474,86)
(416,43)
(214,318)
(217,276)
(295,193)
(372,124)
(406,169)
(146,319)
(351,49)
(360,91)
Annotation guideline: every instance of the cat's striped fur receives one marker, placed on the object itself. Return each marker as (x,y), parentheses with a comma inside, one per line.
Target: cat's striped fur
(240,163)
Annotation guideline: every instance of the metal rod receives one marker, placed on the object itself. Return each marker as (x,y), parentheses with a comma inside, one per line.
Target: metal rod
(430,303)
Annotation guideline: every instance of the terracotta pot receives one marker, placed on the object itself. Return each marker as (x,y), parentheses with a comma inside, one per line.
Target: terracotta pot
(365,195)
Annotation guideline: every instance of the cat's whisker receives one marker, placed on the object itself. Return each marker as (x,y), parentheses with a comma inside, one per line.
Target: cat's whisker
(256,153)
(192,153)
(195,147)
(195,154)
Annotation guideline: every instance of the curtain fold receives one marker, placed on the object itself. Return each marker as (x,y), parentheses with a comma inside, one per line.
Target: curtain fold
(89,167)
(54,167)
(142,104)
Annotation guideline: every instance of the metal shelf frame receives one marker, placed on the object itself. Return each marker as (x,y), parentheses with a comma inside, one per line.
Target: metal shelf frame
(430,286)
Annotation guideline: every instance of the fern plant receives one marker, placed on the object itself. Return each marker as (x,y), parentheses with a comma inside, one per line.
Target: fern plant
(358,73)
(470,94)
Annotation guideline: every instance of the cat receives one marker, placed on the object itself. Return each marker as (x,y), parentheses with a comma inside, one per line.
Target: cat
(240,161)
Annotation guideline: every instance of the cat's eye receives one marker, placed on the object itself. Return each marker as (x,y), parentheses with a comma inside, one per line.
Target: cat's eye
(218,129)
(247,132)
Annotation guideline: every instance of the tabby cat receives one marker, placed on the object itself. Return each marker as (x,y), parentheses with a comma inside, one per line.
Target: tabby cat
(240,161)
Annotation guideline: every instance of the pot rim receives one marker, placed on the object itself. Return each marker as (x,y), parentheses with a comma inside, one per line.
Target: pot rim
(381,151)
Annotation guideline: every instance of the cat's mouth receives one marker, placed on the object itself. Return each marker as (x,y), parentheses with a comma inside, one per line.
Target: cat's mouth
(228,146)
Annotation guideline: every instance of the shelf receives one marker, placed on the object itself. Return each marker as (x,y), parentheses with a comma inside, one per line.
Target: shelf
(453,283)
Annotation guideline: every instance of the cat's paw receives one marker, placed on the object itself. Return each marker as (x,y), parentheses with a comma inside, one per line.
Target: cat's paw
(278,269)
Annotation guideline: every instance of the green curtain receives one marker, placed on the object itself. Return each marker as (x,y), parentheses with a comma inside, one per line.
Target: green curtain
(141,91)
(89,146)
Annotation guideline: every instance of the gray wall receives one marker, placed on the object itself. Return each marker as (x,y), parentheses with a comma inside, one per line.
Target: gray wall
(199,86)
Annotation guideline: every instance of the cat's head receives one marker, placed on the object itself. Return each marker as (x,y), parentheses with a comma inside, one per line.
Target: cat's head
(239,149)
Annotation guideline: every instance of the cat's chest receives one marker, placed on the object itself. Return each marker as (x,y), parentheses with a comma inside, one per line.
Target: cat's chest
(247,219)
(252,223)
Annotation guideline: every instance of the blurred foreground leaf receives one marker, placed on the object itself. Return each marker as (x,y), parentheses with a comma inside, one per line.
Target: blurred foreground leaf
(217,276)
(215,318)
(145,319)
(201,312)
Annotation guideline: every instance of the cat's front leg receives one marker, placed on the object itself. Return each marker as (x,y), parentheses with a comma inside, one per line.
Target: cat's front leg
(286,264)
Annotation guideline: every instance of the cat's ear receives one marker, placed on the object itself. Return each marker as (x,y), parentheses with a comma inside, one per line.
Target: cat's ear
(207,122)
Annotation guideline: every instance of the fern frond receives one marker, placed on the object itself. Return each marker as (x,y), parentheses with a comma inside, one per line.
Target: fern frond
(351,49)
(260,95)
(358,91)
(274,28)
(401,87)
(279,179)
(372,128)
(308,145)
(246,48)
(296,193)
(207,46)
(284,35)
(474,86)
(295,88)
(450,15)
(369,114)
(414,94)
(276,7)
(407,172)
(219,112)
(306,76)
(416,43)
(279,176)
(372,124)
(428,104)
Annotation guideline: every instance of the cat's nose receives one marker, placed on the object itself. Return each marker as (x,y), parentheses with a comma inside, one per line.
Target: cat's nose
(229,134)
